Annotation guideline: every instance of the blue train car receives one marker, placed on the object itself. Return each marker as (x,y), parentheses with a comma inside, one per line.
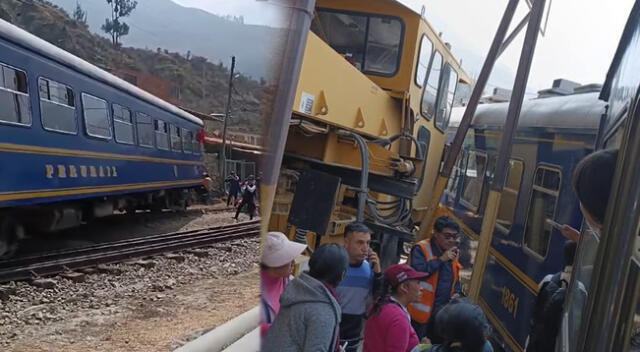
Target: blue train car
(77,142)
(553,135)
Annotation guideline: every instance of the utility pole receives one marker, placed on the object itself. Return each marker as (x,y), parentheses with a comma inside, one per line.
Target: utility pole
(223,155)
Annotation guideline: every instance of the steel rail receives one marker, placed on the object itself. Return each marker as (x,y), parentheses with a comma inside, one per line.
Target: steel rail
(62,261)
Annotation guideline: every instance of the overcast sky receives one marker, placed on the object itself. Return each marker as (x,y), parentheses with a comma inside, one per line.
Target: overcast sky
(579,42)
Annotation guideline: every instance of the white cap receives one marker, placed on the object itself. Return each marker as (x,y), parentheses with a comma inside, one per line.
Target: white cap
(278,250)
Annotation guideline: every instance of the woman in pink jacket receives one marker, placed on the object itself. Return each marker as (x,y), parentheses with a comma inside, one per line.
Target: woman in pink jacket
(389,328)
(276,266)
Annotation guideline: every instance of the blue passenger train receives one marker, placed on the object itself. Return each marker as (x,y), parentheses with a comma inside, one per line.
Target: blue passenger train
(553,134)
(77,142)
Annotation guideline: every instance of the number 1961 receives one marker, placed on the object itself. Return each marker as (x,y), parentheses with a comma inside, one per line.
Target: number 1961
(509,301)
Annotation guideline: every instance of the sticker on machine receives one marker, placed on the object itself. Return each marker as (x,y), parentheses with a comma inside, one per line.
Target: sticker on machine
(306,103)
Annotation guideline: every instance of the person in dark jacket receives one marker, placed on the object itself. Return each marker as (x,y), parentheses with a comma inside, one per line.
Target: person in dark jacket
(463,327)
(233,184)
(248,198)
(547,312)
(437,256)
(309,314)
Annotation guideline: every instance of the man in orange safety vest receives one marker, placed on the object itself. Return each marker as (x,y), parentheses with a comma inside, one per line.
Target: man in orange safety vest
(437,256)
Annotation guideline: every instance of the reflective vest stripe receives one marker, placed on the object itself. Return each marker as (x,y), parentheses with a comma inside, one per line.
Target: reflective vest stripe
(426,286)
(422,307)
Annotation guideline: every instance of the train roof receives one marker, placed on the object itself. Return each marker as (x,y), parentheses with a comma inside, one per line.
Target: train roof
(571,111)
(27,40)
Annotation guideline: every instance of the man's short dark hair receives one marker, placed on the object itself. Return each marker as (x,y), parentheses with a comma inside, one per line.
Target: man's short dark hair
(328,262)
(446,222)
(356,227)
(592,181)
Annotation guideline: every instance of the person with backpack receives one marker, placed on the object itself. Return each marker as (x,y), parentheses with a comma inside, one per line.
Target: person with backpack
(547,314)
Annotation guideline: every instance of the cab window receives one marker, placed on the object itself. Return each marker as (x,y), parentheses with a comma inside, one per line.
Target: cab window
(430,90)
(447,91)
(426,47)
(371,43)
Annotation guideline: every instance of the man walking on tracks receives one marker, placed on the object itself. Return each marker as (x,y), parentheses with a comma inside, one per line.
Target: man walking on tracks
(248,198)
(362,277)
(233,182)
(437,256)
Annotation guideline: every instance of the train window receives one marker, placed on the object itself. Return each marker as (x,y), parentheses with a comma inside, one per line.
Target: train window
(542,206)
(196,144)
(447,91)
(175,138)
(14,97)
(57,106)
(96,116)
(162,138)
(452,184)
(426,47)
(371,43)
(473,179)
(430,91)
(187,137)
(509,202)
(144,125)
(122,124)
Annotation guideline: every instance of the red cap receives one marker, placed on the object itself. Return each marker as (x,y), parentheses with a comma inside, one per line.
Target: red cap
(399,273)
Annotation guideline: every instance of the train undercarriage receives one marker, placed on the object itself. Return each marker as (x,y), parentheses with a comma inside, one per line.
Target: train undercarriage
(18,223)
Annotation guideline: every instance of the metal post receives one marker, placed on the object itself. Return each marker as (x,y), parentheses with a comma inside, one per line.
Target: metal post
(363,190)
(506,143)
(227,114)
(429,217)
(278,127)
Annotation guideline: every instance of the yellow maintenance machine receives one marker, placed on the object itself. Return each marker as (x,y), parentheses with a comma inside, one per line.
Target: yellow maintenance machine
(367,133)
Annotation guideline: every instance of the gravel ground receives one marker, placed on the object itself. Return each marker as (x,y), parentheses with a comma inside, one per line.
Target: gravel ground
(154,305)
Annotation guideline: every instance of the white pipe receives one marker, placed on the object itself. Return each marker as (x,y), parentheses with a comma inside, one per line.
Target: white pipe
(248,343)
(224,335)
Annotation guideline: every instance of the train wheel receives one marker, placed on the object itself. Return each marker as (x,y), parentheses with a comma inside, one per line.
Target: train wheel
(10,233)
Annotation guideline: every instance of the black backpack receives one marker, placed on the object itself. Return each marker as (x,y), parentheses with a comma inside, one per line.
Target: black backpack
(547,315)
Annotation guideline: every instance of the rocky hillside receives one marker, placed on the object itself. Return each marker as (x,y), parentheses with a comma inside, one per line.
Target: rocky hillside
(202,84)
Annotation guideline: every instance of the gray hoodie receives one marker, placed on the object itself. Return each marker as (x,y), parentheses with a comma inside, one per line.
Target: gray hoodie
(308,319)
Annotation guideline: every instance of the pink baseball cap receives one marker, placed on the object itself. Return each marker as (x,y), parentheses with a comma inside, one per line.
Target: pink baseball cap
(399,273)
(278,250)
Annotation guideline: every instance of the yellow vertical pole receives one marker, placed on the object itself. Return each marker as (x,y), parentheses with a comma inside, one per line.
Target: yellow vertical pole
(484,243)
(506,143)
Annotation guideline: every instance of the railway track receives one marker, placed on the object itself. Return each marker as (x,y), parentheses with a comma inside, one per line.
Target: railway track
(58,262)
